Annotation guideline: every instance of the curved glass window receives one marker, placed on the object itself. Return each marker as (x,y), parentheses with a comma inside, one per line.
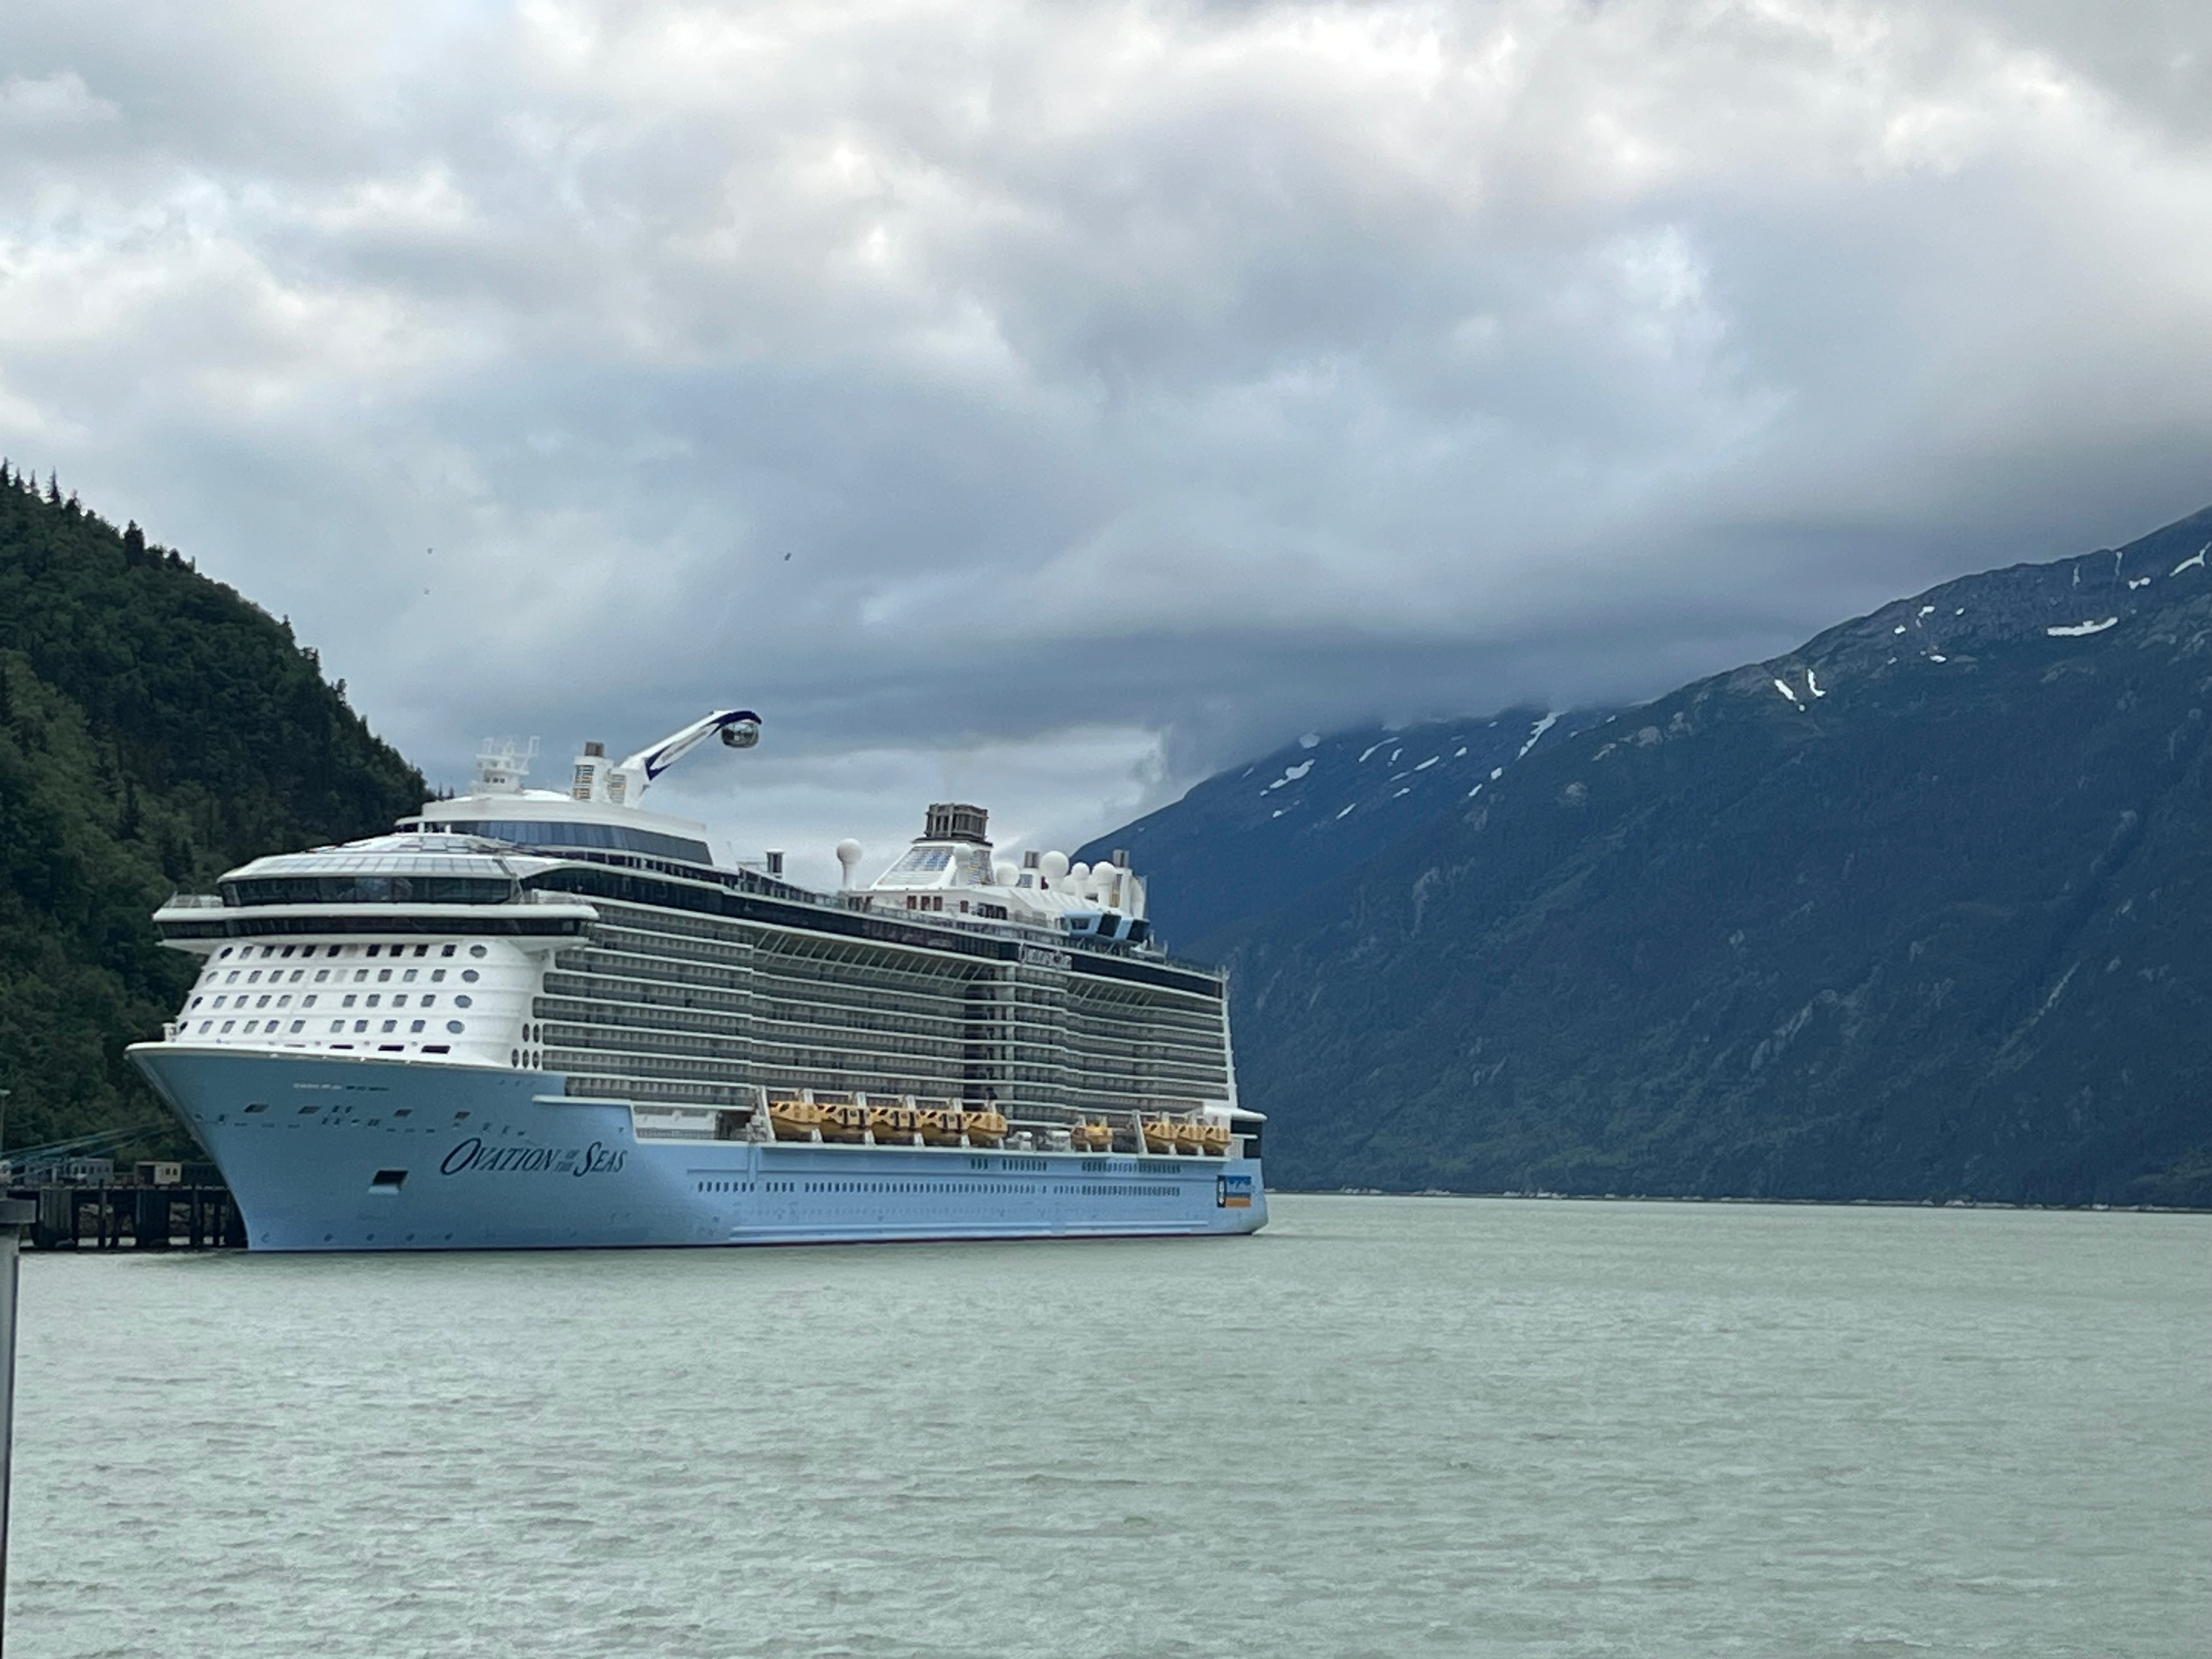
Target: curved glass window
(615,837)
(369,890)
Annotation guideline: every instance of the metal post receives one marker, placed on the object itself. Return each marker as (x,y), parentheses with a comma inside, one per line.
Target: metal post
(15,1214)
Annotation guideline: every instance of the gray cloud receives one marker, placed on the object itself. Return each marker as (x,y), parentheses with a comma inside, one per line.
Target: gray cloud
(1127,384)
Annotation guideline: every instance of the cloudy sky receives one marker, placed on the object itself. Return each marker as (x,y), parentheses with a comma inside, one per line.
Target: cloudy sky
(1049,404)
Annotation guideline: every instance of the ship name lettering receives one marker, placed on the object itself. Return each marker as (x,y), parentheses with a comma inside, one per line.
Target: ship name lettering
(473,1155)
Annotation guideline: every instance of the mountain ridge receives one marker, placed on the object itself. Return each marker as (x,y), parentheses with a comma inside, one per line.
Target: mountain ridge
(1817,926)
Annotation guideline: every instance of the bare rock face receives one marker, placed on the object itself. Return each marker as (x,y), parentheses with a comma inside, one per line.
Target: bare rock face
(1920,911)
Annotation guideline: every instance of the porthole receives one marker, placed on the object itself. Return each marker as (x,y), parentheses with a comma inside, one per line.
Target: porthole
(475,950)
(454,1026)
(469,975)
(465,1000)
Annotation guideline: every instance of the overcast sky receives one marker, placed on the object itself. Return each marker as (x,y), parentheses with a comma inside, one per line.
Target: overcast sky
(1047,404)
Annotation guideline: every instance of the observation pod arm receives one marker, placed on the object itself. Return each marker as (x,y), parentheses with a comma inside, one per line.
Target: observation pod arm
(740,729)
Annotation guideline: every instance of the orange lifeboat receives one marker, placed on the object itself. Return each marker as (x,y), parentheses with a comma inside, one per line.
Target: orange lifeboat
(986,1127)
(894,1126)
(1159,1135)
(847,1123)
(938,1126)
(790,1119)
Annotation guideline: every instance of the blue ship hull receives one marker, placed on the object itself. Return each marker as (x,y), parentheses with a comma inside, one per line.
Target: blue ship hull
(362,1154)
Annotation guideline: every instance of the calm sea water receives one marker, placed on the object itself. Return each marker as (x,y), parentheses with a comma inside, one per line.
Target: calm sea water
(1384,1426)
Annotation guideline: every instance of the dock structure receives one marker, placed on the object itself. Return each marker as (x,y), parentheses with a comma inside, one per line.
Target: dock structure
(157,1209)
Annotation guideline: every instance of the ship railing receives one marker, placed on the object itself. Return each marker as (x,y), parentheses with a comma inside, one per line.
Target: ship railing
(193,902)
(768,887)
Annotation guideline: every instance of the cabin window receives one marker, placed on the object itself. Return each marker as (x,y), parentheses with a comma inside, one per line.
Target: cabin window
(469,976)
(454,1026)
(475,950)
(465,1000)
(415,1025)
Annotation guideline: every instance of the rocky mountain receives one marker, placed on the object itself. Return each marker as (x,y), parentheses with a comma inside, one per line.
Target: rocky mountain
(156,729)
(1255,836)
(1920,911)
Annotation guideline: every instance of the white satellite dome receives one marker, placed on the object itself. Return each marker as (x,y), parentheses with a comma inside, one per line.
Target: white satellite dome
(849,854)
(1055,866)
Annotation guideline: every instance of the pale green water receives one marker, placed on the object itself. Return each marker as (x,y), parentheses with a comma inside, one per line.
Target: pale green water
(1384,1426)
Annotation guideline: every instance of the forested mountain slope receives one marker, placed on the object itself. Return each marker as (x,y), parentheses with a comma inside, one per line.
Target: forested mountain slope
(1922,910)
(156,729)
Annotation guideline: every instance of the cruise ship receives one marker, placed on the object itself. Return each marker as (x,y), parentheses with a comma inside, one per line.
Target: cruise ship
(532,1018)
